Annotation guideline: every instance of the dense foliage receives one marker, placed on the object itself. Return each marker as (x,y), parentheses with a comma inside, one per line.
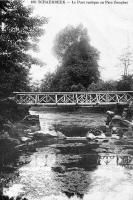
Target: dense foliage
(103,86)
(19,33)
(125,83)
(78,61)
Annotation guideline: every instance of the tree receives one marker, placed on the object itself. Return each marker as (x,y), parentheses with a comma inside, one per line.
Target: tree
(66,38)
(126,60)
(19,33)
(35,86)
(78,59)
(126,83)
(46,83)
(103,86)
(3,5)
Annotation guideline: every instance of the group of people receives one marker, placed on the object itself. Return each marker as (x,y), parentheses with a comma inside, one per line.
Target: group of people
(121,119)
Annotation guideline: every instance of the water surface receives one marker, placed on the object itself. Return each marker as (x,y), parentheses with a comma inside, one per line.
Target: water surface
(61,169)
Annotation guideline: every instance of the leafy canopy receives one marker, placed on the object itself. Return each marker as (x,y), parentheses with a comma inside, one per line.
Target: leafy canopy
(78,60)
(19,33)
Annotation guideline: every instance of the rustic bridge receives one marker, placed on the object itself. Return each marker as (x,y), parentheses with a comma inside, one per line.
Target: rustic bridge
(74,98)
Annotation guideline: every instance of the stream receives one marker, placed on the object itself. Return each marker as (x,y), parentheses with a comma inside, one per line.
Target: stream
(74,169)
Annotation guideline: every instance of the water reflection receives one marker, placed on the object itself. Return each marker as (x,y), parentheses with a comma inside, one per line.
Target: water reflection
(122,160)
(75,169)
(54,171)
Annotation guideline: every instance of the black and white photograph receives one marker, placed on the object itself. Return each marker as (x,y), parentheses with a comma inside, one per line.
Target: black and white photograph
(66,99)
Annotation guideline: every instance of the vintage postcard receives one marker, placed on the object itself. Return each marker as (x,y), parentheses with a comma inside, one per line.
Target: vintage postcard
(66,99)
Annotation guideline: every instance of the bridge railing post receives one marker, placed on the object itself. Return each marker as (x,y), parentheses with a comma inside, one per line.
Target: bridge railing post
(76,99)
(36,98)
(117,98)
(56,99)
(97,98)
(107,97)
(86,98)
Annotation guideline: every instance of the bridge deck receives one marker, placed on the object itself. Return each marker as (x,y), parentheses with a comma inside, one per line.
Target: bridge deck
(74,98)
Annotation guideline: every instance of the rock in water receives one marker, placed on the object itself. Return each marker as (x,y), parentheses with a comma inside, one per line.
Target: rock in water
(60,135)
(90,136)
(102,136)
(31,120)
(52,133)
(57,134)
(76,138)
(24,139)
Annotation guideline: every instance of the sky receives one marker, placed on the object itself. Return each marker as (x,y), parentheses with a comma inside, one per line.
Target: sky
(110,28)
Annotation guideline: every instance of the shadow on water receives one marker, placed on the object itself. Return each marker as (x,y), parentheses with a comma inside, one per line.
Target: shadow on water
(73,167)
(74,171)
(71,131)
(76,131)
(8,155)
